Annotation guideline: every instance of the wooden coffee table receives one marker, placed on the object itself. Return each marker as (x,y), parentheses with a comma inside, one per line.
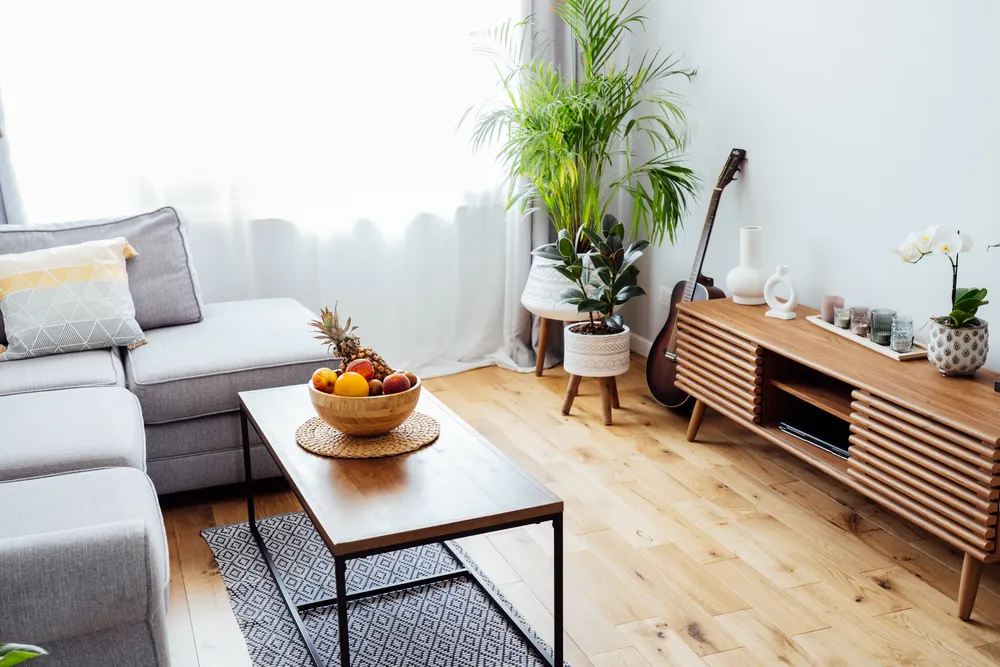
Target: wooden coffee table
(458,486)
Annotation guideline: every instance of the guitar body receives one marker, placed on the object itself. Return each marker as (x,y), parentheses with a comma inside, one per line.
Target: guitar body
(660,371)
(661,365)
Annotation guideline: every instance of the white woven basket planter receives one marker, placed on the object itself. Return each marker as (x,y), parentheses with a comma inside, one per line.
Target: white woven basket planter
(596,356)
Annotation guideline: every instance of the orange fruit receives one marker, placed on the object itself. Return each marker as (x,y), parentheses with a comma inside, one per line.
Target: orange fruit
(351,384)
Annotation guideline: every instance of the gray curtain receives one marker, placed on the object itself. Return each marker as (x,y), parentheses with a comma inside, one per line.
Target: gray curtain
(527,233)
(9,200)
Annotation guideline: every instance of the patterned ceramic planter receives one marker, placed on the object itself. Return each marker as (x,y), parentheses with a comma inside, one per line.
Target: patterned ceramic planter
(595,356)
(958,352)
(542,292)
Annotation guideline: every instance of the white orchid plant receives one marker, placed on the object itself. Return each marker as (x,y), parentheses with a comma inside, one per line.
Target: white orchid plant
(936,240)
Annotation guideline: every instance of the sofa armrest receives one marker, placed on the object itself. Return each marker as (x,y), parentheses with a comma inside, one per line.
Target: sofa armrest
(74,582)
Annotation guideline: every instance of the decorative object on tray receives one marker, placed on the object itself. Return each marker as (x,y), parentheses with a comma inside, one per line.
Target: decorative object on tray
(958,343)
(598,347)
(842,317)
(901,334)
(318,437)
(861,320)
(881,325)
(829,308)
(781,310)
(916,353)
(563,135)
(746,281)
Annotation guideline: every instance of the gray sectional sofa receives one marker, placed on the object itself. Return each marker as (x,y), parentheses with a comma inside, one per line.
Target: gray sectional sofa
(89,439)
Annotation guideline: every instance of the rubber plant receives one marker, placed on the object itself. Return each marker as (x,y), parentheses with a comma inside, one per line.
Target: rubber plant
(610,261)
(574,143)
(15,654)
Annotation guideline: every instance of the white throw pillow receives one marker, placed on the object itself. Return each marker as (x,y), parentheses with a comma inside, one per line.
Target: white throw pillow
(67,299)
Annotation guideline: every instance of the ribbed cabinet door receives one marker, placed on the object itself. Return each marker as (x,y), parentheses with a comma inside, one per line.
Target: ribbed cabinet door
(720,368)
(936,476)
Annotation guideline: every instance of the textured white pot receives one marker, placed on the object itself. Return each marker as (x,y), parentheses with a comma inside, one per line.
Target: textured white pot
(746,281)
(595,356)
(542,292)
(961,351)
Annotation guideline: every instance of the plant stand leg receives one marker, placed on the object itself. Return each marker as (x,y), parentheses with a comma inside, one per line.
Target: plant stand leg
(571,390)
(606,399)
(968,586)
(613,385)
(696,416)
(543,344)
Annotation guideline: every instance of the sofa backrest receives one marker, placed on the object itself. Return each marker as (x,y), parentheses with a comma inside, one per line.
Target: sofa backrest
(161,278)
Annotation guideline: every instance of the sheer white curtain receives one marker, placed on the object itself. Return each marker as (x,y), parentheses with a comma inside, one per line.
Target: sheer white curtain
(313,147)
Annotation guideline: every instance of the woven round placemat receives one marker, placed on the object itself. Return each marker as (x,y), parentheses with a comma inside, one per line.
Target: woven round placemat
(318,437)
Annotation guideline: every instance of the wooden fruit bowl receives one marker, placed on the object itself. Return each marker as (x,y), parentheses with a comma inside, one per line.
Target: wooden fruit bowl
(370,415)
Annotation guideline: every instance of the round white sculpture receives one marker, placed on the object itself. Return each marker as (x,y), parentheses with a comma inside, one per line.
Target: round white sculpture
(746,281)
(781,310)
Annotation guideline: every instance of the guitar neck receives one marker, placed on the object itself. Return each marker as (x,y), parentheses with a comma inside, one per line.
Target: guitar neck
(706,233)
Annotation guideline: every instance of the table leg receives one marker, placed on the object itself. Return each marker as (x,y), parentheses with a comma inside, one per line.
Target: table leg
(543,344)
(695,423)
(571,390)
(247,471)
(340,566)
(557,603)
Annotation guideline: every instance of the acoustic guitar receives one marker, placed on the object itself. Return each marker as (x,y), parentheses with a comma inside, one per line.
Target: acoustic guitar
(661,366)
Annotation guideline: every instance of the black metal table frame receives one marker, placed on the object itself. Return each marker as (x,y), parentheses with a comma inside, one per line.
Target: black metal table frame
(340,572)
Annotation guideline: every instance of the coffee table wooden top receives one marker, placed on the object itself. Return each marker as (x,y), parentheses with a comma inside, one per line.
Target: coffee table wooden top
(459,483)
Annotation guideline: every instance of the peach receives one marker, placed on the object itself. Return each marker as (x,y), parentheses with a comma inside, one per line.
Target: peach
(374,387)
(395,383)
(324,380)
(362,367)
(410,376)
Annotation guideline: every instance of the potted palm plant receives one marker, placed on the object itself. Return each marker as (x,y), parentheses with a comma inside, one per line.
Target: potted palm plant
(599,346)
(573,145)
(958,342)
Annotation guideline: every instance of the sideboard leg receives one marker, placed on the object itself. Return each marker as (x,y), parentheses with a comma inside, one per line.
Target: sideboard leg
(972,570)
(696,416)
(571,390)
(543,344)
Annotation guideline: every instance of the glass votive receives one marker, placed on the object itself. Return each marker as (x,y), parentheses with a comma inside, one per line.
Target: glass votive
(860,320)
(842,317)
(828,305)
(901,335)
(881,325)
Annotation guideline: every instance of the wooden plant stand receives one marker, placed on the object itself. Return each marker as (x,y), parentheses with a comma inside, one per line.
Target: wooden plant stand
(609,395)
(922,445)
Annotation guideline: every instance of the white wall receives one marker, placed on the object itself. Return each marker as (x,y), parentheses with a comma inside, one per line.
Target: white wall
(862,120)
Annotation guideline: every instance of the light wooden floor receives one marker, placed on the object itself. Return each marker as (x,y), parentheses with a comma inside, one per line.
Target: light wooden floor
(726,552)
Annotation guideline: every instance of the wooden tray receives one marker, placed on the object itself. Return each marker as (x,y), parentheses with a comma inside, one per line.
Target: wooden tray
(919,351)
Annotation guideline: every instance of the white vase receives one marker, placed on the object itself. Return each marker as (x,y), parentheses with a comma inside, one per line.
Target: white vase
(593,356)
(746,281)
(543,290)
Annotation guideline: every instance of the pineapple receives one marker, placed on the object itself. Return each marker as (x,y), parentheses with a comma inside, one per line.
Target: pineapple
(342,341)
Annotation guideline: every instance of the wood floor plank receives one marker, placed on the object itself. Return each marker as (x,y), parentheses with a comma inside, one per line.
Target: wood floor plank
(766,642)
(180,633)
(660,644)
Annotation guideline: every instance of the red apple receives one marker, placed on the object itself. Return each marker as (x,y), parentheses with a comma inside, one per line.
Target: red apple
(324,379)
(395,383)
(362,367)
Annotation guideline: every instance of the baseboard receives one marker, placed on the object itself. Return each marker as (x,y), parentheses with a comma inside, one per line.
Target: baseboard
(640,345)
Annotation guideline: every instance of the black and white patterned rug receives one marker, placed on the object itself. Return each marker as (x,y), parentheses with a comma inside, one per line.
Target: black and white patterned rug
(447,624)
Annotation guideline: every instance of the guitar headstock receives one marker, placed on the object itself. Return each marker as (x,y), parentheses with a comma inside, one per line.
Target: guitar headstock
(736,159)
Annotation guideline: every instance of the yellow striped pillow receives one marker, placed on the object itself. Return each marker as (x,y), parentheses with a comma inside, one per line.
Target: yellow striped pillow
(67,299)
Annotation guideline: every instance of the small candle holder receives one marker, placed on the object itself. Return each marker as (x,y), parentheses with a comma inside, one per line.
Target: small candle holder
(861,318)
(829,306)
(842,317)
(901,335)
(881,325)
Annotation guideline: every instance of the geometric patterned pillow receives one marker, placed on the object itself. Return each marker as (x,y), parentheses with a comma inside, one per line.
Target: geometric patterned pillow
(67,299)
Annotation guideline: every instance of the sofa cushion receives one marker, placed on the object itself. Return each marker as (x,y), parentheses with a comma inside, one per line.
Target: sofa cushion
(198,369)
(162,278)
(95,368)
(52,432)
(80,553)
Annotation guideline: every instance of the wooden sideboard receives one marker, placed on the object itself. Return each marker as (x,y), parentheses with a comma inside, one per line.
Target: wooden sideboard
(920,444)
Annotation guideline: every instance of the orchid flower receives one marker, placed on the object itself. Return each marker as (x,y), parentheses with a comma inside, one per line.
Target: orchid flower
(936,241)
